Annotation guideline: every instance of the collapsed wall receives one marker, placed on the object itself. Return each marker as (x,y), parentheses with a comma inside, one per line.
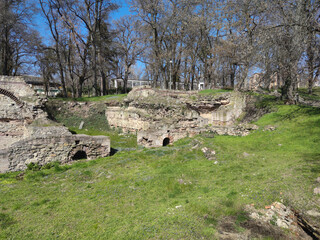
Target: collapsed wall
(27,135)
(162,116)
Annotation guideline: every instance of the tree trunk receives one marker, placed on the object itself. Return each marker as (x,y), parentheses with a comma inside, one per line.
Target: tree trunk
(63,83)
(289,87)
(125,81)
(310,64)
(80,86)
(95,80)
(103,83)
(288,91)
(232,77)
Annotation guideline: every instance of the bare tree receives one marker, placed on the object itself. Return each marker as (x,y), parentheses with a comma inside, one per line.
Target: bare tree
(129,46)
(18,40)
(51,9)
(94,16)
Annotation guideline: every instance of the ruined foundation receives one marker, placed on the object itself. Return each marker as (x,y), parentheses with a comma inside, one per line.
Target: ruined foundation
(161,117)
(42,150)
(28,136)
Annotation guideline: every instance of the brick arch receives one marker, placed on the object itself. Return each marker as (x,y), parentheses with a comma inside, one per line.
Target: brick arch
(11,96)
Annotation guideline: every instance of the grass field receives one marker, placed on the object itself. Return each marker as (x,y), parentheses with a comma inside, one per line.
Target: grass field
(117,97)
(172,192)
(207,92)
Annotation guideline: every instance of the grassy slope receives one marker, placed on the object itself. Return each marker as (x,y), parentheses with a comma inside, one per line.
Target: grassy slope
(168,193)
(207,92)
(314,96)
(118,97)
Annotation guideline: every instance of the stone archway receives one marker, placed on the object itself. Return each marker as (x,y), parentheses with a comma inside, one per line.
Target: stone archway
(166,142)
(11,96)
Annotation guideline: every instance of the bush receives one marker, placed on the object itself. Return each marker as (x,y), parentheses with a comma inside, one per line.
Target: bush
(50,165)
(33,166)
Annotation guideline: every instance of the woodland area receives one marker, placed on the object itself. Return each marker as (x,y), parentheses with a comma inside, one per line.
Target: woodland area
(178,41)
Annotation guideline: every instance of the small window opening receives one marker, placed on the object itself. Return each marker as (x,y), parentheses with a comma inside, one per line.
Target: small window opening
(77,141)
(80,155)
(166,142)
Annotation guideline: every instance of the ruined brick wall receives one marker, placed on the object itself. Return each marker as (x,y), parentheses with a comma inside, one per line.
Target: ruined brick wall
(47,149)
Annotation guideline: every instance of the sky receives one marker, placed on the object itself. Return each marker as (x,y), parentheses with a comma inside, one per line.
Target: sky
(122,11)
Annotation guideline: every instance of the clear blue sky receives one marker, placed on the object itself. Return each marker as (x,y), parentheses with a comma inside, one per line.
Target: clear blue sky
(122,11)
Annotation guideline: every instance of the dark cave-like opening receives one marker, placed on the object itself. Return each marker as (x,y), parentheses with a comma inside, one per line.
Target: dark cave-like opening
(79,155)
(166,142)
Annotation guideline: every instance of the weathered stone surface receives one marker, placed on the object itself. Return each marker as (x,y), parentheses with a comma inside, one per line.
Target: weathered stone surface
(159,114)
(81,125)
(50,148)
(316,190)
(158,138)
(269,128)
(209,153)
(4,162)
(279,215)
(236,130)
(27,135)
(17,85)
(313,213)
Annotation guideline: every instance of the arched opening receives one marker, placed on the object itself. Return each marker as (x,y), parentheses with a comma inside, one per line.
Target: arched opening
(166,142)
(79,155)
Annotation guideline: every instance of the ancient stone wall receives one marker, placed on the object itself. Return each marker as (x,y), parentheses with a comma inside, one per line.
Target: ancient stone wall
(17,85)
(15,118)
(159,138)
(47,149)
(11,131)
(128,119)
(27,135)
(158,114)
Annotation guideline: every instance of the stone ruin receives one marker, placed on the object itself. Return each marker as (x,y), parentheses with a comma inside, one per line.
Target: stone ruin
(161,117)
(28,136)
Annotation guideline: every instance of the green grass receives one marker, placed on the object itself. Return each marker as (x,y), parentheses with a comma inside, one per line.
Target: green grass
(213,91)
(117,97)
(314,96)
(172,192)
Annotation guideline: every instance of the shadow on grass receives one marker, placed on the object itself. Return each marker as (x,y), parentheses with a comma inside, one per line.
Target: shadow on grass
(296,112)
(5,221)
(313,162)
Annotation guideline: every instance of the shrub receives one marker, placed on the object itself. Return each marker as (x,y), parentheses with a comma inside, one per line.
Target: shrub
(33,166)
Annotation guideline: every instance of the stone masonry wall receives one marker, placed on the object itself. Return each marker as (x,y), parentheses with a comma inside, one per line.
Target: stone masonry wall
(17,85)
(157,114)
(47,149)
(27,135)
(14,118)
